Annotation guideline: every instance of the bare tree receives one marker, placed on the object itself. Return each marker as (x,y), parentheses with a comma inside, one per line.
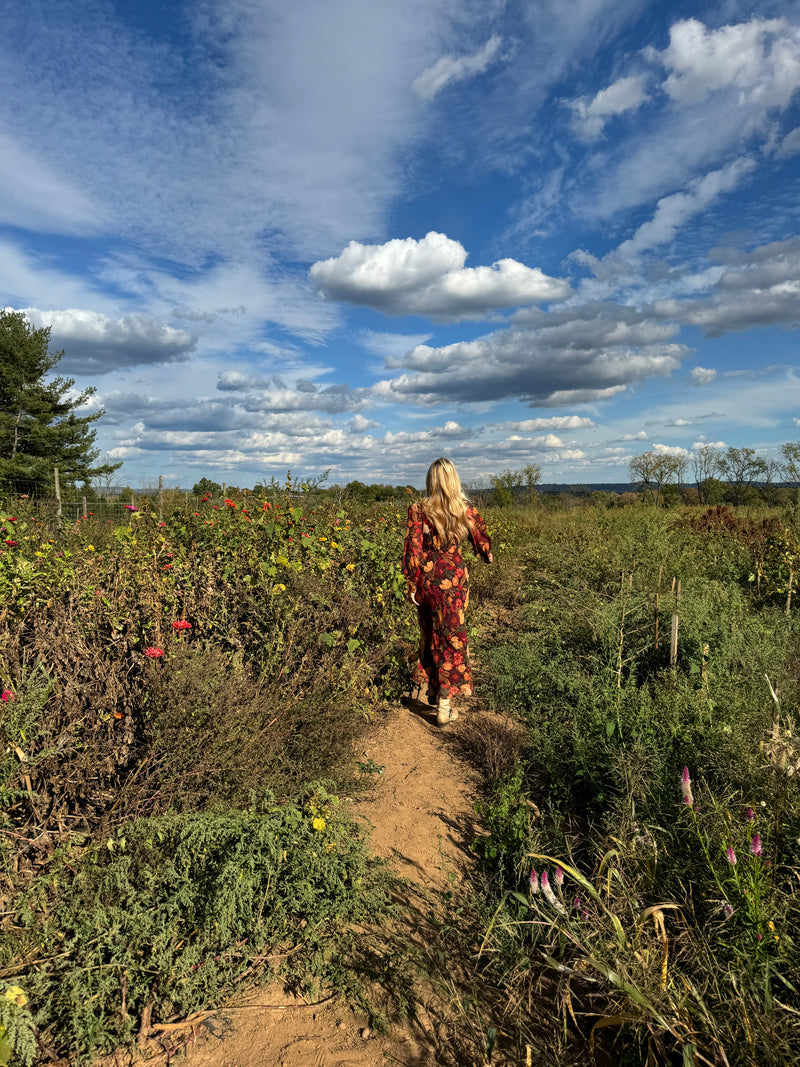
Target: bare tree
(705,464)
(791,462)
(741,468)
(652,471)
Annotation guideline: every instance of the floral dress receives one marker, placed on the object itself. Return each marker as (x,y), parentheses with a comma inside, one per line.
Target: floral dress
(438,580)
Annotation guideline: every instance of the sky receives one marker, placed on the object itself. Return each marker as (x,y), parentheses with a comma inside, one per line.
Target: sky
(356,235)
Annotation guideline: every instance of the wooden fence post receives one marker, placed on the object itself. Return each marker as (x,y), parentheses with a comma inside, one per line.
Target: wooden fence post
(673,644)
(58,495)
(85,512)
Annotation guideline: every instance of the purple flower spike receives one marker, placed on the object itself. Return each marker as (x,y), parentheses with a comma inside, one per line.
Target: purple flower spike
(559,877)
(728,910)
(576,903)
(749,815)
(731,855)
(534,881)
(584,914)
(686,787)
(545,880)
(755,845)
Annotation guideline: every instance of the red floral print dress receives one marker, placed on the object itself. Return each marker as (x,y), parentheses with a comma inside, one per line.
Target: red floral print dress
(439,581)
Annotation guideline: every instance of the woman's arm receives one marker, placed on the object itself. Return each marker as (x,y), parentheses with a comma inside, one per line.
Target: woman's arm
(480,539)
(412,552)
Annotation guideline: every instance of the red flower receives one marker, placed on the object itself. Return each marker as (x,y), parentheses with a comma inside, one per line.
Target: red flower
(181,624)
(117,714)
(230,503)
(9,519)
(12,544)
(154,653)
(167,566)
(6,696)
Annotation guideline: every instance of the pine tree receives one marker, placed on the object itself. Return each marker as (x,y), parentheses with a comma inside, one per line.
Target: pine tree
(40,424)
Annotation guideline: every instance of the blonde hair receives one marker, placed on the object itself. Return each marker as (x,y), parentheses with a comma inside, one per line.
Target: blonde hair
(445,504)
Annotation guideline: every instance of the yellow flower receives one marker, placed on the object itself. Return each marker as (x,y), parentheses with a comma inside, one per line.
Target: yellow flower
(90,548)
(350,566)
(38,553)
(318,823)
(278,588)
(16,996)
(323,538)
(334,544)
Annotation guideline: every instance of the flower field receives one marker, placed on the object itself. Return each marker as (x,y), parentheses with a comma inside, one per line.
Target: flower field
(181,704)
(182,698)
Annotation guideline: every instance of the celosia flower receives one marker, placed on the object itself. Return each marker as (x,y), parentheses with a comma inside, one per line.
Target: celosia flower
(6,696)
(755,845)
(559,877)
(154,653)
(181,624)
(548,893)
(534,881)
(731,855)
(728,910)
(686,787)
(749,815)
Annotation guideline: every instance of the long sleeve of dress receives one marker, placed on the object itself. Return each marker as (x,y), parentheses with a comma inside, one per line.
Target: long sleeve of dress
(478,536)
(413,556)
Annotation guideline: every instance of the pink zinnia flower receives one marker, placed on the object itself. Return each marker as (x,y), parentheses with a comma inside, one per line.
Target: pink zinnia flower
(154,653)
(731,855)
(755,845)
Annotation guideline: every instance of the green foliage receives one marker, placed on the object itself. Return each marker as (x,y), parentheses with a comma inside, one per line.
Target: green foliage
(17,1031)
(690,953)
(205,487)
(40,424)
(167,913)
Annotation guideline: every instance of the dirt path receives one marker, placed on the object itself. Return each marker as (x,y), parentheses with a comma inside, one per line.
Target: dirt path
(421,818)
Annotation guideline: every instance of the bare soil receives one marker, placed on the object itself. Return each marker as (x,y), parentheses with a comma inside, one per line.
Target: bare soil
(420,813)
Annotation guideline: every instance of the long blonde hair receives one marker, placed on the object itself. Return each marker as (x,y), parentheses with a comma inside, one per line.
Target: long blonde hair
(445,504)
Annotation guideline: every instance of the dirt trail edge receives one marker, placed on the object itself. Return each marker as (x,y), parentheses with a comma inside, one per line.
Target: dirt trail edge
(420,814)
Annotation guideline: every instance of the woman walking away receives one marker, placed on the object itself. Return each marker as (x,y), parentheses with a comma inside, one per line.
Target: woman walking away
(438,583)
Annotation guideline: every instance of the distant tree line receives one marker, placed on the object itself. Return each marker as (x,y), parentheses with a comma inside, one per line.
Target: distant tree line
(731,475)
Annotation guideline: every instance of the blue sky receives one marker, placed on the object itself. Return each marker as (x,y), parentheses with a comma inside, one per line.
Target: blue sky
(360,234)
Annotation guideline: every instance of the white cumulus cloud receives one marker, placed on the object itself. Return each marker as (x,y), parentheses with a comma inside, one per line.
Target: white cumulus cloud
(702,375)
(590,116)
(95,343)
(428,277)
(760,59)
